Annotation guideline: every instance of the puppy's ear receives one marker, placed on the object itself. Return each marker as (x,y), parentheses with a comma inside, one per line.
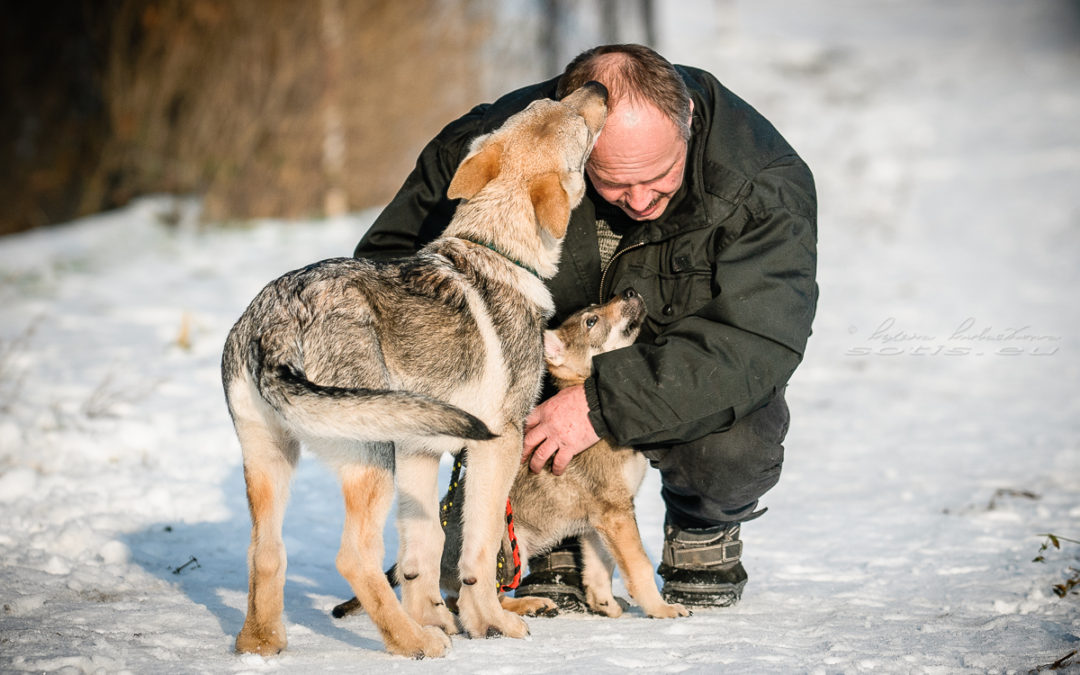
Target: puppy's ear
(554,349)
(551,203)
(478,169)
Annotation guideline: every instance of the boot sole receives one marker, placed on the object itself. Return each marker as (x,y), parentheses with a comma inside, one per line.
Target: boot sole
(703,595)
(566,598)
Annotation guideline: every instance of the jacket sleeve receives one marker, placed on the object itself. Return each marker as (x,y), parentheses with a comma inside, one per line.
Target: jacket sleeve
(420,210)
(731,356)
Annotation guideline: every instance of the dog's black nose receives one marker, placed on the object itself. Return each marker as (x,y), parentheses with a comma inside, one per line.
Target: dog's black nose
(598,88)
(629,294)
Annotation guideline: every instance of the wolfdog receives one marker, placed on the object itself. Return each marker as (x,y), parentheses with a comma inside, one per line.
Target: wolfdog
(380,368)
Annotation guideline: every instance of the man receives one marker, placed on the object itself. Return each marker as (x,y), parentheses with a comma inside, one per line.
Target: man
(697,203)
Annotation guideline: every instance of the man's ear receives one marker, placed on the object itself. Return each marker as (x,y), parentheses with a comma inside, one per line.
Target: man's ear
(478,169)
(554,349)
(551,203)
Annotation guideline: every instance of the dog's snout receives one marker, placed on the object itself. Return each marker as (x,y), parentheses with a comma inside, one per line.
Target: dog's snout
(629,294)
(590,100)
(597,88)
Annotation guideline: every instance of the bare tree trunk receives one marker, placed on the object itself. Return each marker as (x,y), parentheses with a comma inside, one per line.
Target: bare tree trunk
(550,21)
(336,201)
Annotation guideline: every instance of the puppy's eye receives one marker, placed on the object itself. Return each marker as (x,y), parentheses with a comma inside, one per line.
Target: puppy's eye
(590,322)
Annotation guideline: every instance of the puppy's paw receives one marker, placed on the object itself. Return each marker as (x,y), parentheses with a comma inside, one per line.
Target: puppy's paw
(665,611)
(607,605)
(529,606)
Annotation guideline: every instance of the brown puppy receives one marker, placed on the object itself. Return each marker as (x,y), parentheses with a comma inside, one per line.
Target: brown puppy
(594,498)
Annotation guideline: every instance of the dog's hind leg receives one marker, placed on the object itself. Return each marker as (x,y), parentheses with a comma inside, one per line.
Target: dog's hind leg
(369,492)
(492,465)
(619,529)
(420,534)
(597,567)
(269,457)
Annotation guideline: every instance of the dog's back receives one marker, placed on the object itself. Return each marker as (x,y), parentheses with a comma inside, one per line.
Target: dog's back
(279,349)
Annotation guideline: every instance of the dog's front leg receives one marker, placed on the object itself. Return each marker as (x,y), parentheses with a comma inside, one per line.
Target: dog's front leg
(421,538)
(490,471)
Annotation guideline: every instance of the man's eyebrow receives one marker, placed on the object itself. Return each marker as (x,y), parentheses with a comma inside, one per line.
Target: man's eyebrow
(651,180)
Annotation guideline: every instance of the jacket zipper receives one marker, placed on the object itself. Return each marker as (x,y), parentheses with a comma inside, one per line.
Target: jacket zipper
(603,277)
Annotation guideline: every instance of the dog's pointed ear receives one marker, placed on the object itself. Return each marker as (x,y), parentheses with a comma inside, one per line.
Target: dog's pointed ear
(554,349)
(551,203)
(478,169)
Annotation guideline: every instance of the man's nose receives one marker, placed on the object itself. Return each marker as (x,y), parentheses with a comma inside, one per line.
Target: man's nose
(638,197)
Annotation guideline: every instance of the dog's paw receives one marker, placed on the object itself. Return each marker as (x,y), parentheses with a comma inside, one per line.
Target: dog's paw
(264,642)
(440,617)
(428,641)
(666,611)
(606,605)
(529,606)
(500,624)
(346,608)
(428,608)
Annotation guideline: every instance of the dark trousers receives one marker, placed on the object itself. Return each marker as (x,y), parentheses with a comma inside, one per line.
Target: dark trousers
(719,478)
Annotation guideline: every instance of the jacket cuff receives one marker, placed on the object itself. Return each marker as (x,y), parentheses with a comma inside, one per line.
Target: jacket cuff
(596,418)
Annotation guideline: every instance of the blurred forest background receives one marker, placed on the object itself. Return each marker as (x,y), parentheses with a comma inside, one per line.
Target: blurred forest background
(265,108)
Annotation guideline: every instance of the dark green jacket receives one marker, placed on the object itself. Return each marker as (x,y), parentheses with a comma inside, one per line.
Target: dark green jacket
(727,274)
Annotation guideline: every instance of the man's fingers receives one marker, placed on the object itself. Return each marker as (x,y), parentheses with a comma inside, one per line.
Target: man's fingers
(541,455)
(561,461)
(533,438)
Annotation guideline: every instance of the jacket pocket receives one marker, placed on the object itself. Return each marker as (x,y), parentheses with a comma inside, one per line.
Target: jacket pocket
(669,296)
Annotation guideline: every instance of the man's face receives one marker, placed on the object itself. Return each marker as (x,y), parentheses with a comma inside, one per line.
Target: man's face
(639,160)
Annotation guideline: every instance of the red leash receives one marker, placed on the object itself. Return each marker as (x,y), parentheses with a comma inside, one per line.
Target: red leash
(513,549)
(448,502)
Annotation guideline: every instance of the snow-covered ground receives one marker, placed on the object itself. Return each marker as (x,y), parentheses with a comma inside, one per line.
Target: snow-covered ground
(935,433)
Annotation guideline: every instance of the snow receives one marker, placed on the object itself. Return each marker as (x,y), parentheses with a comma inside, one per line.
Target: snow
(935,432)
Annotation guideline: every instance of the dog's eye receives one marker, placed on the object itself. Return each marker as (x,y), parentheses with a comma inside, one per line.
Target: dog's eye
(591,321)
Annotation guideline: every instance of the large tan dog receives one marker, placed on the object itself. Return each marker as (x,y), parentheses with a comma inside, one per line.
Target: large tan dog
(431,353)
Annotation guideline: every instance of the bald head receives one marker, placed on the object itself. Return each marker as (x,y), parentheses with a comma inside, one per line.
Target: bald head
(632,73)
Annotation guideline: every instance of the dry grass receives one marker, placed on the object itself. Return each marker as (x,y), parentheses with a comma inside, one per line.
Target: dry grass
(236,99)
(283,108)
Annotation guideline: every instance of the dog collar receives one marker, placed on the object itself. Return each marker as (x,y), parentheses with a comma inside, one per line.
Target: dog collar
(513,260)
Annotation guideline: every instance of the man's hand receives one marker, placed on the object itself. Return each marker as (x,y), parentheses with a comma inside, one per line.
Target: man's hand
(559,426)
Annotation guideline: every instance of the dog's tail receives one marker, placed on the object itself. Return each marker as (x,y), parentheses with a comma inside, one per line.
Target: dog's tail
(359,413)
